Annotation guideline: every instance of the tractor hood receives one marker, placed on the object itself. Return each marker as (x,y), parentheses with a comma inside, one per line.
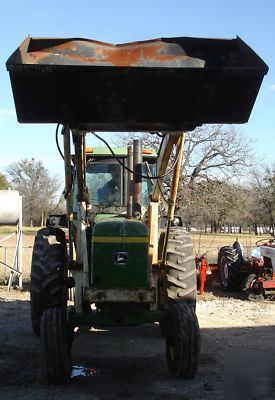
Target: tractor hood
(120,250)
(166,84)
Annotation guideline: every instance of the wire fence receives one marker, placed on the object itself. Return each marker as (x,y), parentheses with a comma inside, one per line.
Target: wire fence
(6,256)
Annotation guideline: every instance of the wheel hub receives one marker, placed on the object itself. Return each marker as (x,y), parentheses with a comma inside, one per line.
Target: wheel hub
(257,288)
(224,271)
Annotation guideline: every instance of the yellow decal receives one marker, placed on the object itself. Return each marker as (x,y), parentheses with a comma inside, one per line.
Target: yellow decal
(120,239)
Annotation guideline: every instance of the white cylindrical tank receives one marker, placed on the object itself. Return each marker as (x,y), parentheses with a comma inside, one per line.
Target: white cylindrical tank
(10,207)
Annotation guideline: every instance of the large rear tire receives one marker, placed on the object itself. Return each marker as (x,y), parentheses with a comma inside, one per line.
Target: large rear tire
(180,272)
(47,274)
(55,346)
(182,340)
(229,267)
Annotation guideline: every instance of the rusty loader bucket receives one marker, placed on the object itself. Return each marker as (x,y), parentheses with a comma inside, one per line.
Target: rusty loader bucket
(161,85)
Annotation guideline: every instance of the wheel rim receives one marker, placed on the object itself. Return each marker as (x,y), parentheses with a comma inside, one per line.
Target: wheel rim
(224,271)
(257,288)
(248,282)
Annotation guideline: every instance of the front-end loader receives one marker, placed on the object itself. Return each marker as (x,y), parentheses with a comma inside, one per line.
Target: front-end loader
(121,267)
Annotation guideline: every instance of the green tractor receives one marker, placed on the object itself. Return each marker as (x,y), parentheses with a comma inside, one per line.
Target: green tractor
(124,262)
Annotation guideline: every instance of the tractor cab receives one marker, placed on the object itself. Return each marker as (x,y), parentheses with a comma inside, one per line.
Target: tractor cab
(109,180)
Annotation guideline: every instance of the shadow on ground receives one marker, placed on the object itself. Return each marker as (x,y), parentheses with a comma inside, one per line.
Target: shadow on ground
(128,363)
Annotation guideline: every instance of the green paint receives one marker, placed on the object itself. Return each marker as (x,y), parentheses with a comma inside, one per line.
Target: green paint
(111,225)
(107,272)
(104,217)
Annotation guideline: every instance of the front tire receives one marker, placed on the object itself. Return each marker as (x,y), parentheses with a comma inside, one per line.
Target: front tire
(182,340)
(47,274)
(55,346)
(180,267)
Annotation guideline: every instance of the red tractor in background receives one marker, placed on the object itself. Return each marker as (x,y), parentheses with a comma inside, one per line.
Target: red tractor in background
(254,274)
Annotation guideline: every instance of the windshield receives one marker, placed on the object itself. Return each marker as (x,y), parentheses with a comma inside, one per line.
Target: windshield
(104,183)
(107,182)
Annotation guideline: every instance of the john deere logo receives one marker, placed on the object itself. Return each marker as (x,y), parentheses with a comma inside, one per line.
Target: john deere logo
(120,258)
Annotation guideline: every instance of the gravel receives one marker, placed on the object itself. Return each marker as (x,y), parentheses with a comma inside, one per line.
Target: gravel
(129,363)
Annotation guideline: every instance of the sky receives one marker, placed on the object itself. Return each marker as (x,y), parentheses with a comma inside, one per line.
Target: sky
(124,21)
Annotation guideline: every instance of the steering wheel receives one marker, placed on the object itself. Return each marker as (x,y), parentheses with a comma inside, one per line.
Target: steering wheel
(263,241)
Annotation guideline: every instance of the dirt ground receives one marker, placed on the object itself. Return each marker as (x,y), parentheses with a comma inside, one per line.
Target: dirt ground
(129,363)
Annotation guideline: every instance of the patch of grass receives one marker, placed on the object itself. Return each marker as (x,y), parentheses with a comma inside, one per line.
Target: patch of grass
(6,230)
(31,231)
(209,244)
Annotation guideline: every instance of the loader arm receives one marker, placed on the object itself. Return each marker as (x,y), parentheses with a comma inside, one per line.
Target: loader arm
(170,140)
(167,146)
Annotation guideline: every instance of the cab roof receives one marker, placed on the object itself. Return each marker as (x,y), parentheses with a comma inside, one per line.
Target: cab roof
(119,151)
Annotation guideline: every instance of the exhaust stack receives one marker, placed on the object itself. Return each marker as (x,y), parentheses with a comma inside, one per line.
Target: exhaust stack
(137,164)
(130,182)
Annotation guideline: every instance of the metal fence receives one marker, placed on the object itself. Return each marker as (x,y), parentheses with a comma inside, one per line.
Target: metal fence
(6,260)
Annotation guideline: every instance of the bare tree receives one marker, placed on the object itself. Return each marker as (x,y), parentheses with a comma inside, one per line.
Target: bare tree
(210,203)
(38,189)
(212,155)
(210,150)
(215,150)
(4,183)
(263,191)
(149,140)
